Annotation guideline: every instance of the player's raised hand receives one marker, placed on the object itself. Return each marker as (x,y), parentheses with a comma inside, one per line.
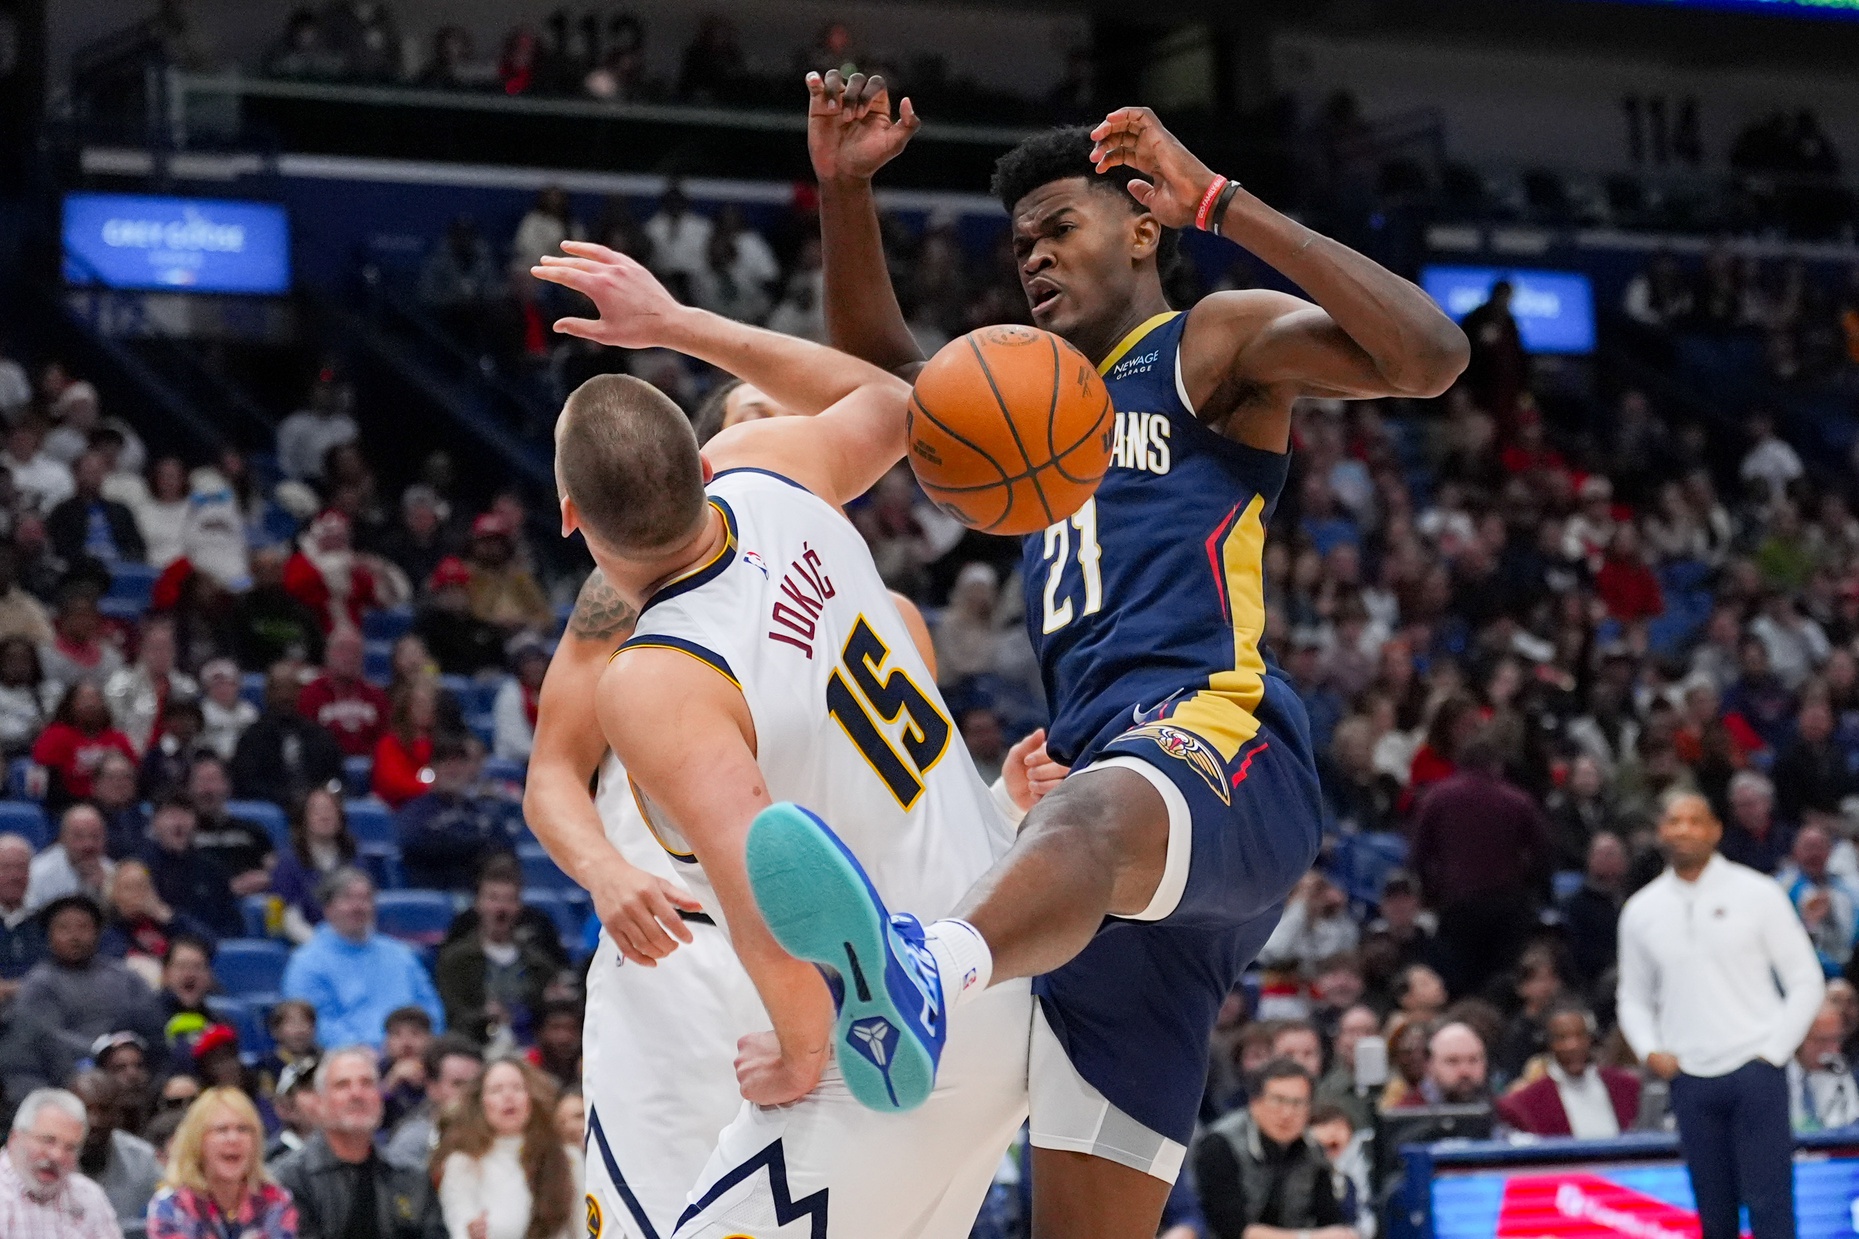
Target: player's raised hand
(850,130)
(1171,180)
(1030,772)
(636,311)
(639,911)
(769,1078)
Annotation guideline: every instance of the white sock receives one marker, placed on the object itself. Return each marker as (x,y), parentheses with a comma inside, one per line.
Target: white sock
(962,958)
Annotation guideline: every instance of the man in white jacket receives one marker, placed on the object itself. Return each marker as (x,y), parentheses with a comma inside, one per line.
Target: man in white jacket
(1702,951)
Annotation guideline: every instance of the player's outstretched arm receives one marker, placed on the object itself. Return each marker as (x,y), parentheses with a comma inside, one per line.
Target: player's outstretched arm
(685,735)
(638,909)
(1371,332)
(850,135)
(858,432)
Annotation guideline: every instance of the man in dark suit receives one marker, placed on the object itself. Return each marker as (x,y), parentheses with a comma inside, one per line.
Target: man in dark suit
(1574,1097)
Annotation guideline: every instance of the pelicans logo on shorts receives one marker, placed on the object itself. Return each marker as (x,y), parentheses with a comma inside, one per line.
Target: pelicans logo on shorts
(1190,748)
(593,1217)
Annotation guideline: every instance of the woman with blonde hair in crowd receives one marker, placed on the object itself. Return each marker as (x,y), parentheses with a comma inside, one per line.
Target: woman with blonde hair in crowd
(501,1167)
(216,1183)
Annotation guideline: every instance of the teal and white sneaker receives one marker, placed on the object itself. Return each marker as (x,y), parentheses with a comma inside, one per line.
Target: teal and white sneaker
(820,906)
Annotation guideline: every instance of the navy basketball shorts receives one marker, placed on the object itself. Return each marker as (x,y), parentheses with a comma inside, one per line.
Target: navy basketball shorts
(1119,1055)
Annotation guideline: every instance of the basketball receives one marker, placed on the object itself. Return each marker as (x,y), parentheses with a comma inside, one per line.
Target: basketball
(1010,429)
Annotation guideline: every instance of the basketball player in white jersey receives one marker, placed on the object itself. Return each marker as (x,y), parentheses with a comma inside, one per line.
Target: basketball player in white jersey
(768,662)
(656,1104)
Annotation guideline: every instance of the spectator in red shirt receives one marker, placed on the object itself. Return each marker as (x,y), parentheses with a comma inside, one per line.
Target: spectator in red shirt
(1625,583)
(1454,721)
(353,710)
(79,738)
(403,758)
(328,576)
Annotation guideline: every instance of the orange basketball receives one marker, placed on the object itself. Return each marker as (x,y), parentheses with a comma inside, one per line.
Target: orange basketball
(1010,429)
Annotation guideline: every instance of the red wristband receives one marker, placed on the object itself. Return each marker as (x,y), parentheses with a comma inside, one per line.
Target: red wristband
(1207,201)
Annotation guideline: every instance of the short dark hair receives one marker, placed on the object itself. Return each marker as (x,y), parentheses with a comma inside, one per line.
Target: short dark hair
(558,1006)
(710,415)
(1059,155)
(401,1016)
(182,940)
(277,1013)
(177,799)
(1278,1069)
(628,459)
(500,867)
(1330,1112)
(450,1045)
(449,746)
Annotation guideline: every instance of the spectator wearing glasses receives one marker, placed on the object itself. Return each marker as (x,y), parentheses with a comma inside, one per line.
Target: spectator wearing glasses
(1821,1093)
(1260,1174)
(41,1193)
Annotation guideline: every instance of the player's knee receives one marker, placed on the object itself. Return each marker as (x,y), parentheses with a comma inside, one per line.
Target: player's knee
(1112,813)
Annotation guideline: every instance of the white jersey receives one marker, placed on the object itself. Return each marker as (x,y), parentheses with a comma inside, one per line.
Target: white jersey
(848,721)
(659,1071)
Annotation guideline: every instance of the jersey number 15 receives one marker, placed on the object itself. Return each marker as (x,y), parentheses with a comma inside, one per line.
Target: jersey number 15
(1059,613)
(926,730)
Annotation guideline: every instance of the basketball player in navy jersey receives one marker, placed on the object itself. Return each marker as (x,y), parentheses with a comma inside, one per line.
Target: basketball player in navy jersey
(1140,889)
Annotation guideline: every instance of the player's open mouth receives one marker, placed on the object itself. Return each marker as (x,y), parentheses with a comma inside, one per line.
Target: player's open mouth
(1041,294)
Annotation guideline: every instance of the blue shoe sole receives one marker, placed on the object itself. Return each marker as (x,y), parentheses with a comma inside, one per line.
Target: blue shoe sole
(820,907)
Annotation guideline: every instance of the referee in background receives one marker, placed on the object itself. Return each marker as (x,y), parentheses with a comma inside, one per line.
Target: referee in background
(1702,949)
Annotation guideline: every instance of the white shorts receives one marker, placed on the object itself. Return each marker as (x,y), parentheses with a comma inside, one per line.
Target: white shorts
(827,1167)
(659,1054)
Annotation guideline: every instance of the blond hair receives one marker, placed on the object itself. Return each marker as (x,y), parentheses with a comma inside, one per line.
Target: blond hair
(186,1155)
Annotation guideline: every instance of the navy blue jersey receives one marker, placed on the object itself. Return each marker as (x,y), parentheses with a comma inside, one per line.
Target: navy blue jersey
(1153,592)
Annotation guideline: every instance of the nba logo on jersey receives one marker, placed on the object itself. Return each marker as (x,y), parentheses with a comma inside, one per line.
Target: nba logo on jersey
(1190,748)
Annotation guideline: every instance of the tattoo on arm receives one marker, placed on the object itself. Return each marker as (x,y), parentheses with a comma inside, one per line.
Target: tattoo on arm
(599,611)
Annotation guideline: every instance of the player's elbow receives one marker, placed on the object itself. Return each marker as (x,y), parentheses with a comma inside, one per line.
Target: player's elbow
(1436,362)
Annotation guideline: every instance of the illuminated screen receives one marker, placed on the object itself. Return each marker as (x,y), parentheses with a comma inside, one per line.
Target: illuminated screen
(1781,8)
(185,244)
(1647,1200)
(1554,309)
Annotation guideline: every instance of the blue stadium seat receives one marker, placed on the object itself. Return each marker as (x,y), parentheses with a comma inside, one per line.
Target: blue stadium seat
(565,912)
(483,726)
(504,770)
(263,813)
(20,779)
(134,583)
(415,917)
(1568,882)
(357,775)
(540,871)
(122,610)
(257,912)
(370,821)
(387,625)
(25,817)
(377,661)
(463,688)
(252,688)
(382,862)
(250,967)
(247,1018)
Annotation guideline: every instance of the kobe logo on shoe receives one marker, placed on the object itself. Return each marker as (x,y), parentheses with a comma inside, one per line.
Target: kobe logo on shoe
(876,1039)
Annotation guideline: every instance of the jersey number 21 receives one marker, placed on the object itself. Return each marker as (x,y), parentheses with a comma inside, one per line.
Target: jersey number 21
(1059,612)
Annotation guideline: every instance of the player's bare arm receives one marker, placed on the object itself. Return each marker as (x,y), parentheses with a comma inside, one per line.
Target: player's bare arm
(857,431)
(1370,333)
(851,133)
(685,736)
(638,909)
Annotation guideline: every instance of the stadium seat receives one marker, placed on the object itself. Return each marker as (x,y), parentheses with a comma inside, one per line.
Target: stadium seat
(377,661)
(252,688)
(134,583)
(1568,882)
(247,1018)
(504,770)
(25,817)
(25,779)
(387,625)
(357,775)
(483,726)
(263,813)
(565,912)
(250,967)
(415,917)
(540,870)
(462,687)
(370,821)
(382,862)
(257,912)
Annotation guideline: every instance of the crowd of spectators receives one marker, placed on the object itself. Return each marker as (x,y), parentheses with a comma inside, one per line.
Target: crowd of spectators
(603,55)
